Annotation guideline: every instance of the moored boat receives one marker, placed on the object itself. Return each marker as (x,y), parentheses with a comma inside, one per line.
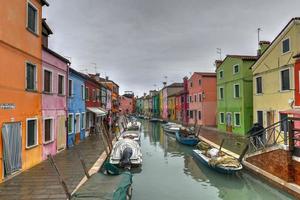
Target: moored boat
(134,135)
(221,163)
(188,139)
(171,127)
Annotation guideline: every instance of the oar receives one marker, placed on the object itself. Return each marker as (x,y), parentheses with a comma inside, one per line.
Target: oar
(221,146)
(243,153)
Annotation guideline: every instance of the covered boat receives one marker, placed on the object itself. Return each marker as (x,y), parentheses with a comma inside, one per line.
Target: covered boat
(103,187)
(172,127)
(126,153)
(134,135)
(133,126)
(186,139)
(219,162)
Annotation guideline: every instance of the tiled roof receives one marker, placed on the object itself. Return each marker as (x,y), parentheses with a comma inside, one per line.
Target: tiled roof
(206,73)
(175,85)
(244,57)
(44,2)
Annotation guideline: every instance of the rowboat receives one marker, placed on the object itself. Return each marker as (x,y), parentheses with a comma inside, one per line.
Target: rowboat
(230,167)
(190,140)
(171,127)
(126,153)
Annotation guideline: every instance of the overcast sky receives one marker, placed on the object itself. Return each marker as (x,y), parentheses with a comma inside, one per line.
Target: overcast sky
(139,42)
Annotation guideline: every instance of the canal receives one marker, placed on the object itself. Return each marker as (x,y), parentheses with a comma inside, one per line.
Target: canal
(170,172)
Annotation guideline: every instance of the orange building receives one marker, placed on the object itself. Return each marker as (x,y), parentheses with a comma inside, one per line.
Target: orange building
(20,85)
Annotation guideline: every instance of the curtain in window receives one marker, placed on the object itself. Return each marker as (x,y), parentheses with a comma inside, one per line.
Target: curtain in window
(12,147)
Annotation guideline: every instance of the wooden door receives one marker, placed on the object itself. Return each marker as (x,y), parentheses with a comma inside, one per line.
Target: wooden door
(271,132)
(61,133)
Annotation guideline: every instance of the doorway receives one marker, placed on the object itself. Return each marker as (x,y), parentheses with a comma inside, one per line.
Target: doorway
(270,132)
(61,133)
(77,128)
(228,122)
(12,148)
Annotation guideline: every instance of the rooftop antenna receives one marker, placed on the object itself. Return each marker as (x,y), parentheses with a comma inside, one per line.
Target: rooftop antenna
(95,67)
(258,32)
(219,51)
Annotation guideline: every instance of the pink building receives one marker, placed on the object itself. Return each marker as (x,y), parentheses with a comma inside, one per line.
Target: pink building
(126,104)
(54,99)
(202,98)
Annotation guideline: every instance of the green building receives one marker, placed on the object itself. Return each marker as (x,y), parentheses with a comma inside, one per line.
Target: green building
(234,93)
(139,105)
(155,105)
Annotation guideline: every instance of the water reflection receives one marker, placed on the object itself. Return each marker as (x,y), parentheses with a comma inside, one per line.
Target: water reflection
(170,172)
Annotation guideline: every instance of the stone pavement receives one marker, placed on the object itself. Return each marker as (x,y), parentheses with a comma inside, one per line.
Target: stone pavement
(232,142)
(41,181)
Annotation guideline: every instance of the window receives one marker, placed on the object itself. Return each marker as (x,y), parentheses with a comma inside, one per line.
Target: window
(191,84)
(61,84)
(199,115)
(48,130)
(94,95)
(221,74)
(32,18)
(237,119)
(191,114)
(258,85)
(199,81)
(82,92)
(282,116)
(286,45)
(87,93)
(221,93)
(236,91)
(285,79)
(31,133)
(260,118)
(182,99)
(47,81)
(70,87)
(31,76)
(70,123)
(77,123)
(236,69)
(222,118)
(200,97)
(195,96)
(190,99)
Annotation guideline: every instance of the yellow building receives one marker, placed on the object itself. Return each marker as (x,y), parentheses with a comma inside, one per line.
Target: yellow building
(273,76)
(171,107)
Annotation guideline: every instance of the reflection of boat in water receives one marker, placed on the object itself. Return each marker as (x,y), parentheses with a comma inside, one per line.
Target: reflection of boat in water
(126,153)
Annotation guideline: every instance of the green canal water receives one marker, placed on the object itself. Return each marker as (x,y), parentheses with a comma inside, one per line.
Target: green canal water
(169,172)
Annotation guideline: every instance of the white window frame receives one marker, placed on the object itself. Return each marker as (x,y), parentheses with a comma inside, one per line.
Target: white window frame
(234,94)
(72,91)
(36,76)
(262,89)
(37,18)
(36,132)
(219,96)
(79,127)
(64,84)
(83,120)
(51,131)
(220,74)
(72,123)
(290,45)
(234,119)
(233,71)
(82,91)
(280,79)
(220,121)
(51,81)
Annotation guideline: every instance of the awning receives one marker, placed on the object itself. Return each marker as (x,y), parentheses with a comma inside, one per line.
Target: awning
(98,111)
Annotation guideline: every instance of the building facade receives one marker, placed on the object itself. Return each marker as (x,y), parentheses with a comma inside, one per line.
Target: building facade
(234,87)
(169,91)
(202,98)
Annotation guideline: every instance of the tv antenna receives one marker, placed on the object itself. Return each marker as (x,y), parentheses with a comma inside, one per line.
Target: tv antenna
(258,34)
(219,52)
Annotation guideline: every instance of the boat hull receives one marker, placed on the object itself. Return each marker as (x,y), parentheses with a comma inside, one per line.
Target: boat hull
(197,154)
(186,140)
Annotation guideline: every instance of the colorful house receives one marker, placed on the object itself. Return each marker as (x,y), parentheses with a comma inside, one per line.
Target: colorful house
(274,77)
(21,85)
(234,87)
(54,97)
(172,107)
(178,105)
(76,107)
(202,98)
(168,91)
(161,104)
(127,103)
(155,105)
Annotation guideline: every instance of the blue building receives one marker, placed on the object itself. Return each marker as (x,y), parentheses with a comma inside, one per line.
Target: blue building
(76,107)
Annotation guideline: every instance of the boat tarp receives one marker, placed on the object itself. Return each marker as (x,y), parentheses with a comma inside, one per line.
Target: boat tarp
(104,187)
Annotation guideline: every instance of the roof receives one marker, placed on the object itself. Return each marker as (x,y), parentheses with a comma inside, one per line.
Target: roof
(243,57)
(207,74)
(271,45)
(44,2)
(46,27)
(56,55)
(264,42)
(297,55)
(175,85)
(76,72)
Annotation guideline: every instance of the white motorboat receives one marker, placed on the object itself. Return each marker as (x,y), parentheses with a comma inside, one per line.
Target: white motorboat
(134,135)
(126,153)
(133,126)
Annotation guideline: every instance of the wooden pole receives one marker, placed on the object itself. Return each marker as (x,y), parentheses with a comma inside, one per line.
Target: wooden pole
(221,145)
(243,153)
(61,180)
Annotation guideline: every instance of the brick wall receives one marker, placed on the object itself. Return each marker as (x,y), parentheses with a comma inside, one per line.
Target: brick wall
(278,163)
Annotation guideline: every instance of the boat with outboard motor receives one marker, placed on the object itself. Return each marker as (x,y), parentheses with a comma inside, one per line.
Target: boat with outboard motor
(134,135)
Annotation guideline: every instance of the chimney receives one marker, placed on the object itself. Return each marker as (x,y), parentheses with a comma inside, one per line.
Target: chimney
(218,63)
(145,94)
(106,78)
(185,83)
(263,45)
(165,84)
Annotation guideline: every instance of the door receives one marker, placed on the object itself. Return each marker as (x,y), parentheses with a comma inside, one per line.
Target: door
(77,128)
(228,122)
(271,132)
(12,148)
(61,133)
